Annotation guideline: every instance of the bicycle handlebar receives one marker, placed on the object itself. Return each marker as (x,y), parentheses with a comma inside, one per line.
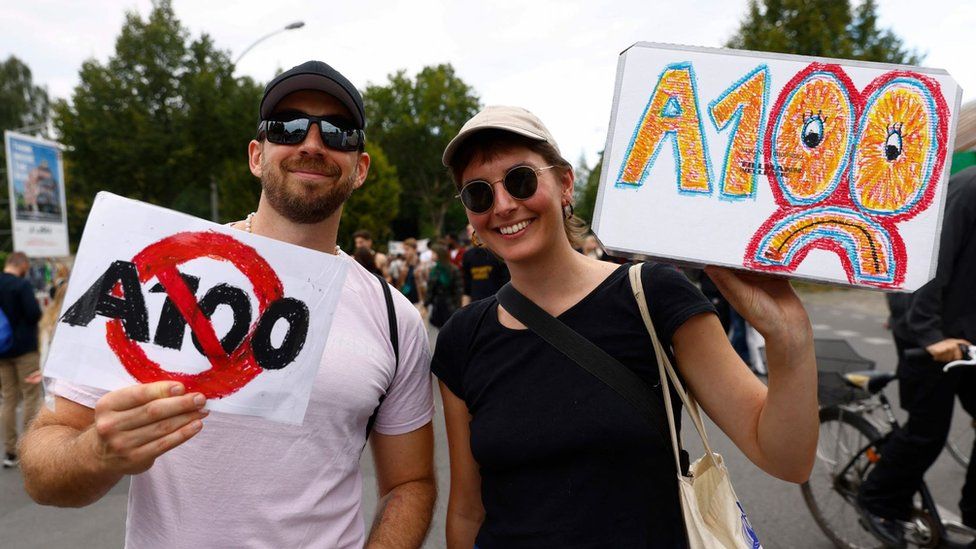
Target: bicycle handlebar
(968,353)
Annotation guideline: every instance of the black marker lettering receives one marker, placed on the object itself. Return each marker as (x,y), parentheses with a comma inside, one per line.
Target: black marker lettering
(98,300)
(296,314)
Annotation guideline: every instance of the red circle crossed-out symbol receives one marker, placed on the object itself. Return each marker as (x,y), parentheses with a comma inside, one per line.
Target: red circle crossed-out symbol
(228,373)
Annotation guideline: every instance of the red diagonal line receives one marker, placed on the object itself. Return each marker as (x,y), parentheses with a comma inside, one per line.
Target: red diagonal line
(186,303)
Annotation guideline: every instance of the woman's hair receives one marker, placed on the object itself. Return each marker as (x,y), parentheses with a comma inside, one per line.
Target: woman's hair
(440,251)
(53,311)
(364,257)
(488,144)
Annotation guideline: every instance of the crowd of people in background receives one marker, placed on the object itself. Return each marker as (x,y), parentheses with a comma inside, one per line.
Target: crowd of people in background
(465,271)
(31,294)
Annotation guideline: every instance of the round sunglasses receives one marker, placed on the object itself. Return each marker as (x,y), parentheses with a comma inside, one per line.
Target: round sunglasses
(521,182)
(293,131)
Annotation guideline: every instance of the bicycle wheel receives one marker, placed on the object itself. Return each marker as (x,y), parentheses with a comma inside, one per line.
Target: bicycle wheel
(831,492)
(960,445)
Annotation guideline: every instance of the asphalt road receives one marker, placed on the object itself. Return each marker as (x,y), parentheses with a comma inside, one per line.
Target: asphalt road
(775,508)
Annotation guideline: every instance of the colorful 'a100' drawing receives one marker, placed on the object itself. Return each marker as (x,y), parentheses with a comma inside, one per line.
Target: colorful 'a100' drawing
(814,168)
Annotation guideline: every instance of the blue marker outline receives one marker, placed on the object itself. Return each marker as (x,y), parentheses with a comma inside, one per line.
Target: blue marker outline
(929,163)
(794,200)
(685,65)
(734,120)
(842,238)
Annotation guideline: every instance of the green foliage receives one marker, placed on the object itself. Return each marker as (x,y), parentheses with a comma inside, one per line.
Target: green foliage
(22,104)
(827,28)
(413,120)
(24,107)
(586,199)
(373,206)
(159,121)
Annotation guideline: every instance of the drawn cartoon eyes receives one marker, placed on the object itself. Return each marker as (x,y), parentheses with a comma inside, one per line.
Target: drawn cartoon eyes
(896,146)
(811,137)
(813,130)
(890,148)
(894,142)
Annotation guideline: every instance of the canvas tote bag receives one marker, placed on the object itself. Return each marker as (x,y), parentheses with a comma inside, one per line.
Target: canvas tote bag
(714,519)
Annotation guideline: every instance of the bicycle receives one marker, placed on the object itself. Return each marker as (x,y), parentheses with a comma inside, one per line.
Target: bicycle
(852,429)
(960,445)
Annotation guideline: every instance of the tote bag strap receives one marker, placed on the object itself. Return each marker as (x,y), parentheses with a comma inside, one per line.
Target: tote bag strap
(586,354)
(666,371)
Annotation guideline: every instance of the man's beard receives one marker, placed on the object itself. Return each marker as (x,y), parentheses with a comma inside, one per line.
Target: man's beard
(298,207)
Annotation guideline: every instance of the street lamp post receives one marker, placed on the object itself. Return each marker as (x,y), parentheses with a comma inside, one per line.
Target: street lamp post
(214,200)
(291,26)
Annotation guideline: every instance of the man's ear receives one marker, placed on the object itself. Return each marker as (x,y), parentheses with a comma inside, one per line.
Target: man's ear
(255,149)
(362,167)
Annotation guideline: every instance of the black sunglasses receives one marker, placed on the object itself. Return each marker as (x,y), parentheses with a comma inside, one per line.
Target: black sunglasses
(478,195)
(294,130)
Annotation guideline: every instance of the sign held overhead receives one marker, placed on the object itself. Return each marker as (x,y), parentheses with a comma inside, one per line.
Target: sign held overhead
(821,169)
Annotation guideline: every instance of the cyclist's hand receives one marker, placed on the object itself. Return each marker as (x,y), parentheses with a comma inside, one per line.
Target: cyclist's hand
(947,350)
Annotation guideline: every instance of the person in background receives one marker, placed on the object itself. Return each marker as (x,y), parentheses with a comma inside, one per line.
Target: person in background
(411,281)
(455,249)
(364,239)
(365,257)
(939,317)
(483,273)
(20,364)
(592,248)
(444,287)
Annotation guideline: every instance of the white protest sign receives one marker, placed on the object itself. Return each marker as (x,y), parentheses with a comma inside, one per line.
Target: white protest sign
(156,295)
(828,170)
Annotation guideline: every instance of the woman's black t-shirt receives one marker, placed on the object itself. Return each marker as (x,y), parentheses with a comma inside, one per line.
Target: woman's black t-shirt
(564,460)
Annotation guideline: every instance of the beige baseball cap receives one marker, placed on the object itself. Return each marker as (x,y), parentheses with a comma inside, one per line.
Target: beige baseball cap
(513,119)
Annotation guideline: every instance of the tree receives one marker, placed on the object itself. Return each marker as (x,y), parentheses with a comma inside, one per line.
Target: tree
(160,120)
(22,103)
(586,200)
(375,205)
(24,106)
(827,28)
(413,120)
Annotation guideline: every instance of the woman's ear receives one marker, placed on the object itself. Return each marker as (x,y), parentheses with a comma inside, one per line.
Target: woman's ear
(568,181)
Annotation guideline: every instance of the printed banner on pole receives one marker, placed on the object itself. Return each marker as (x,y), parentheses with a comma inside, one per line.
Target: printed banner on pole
(160,295)
(828,170)
(35,175)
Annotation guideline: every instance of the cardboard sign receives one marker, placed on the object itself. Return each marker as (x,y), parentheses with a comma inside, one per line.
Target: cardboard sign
(160,295)
(827,170)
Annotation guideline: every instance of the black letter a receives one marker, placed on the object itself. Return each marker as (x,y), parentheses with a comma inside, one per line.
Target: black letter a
(98,300)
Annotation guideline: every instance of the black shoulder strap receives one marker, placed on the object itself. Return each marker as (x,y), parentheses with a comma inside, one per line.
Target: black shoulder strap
(395,341)
(591,358)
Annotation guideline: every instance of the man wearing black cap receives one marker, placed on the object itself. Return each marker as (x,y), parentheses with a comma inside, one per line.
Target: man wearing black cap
(240,481)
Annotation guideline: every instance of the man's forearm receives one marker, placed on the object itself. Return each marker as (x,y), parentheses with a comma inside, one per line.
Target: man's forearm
(59,467)
(403,516)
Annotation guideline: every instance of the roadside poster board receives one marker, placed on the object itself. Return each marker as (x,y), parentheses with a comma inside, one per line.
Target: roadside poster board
(833,171)
(35,177)
(160,295)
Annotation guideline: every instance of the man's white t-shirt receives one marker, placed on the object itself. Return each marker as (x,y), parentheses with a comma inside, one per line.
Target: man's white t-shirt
(248,482)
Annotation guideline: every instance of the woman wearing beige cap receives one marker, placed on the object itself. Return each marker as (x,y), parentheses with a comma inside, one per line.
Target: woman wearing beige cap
(543,454)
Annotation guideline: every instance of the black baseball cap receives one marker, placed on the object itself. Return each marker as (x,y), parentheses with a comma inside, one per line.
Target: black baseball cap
(314,75)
